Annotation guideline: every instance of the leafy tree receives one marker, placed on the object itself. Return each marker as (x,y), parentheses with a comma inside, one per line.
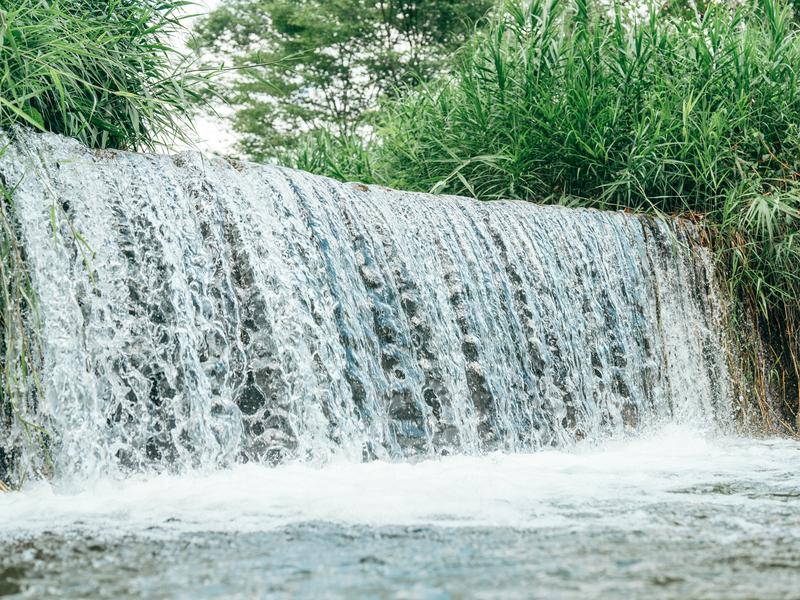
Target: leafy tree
(330,60)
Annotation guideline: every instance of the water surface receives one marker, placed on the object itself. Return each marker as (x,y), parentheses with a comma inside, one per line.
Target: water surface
(672,515)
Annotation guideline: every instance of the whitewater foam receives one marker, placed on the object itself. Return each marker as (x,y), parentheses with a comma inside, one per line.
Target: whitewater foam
(613,484)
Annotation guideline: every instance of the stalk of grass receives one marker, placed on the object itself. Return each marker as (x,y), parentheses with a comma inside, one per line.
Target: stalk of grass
(21,359)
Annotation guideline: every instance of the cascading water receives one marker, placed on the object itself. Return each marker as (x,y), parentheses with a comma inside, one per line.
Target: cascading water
(237,313)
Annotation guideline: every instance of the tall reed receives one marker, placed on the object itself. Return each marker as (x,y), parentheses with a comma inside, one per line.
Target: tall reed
(101,71)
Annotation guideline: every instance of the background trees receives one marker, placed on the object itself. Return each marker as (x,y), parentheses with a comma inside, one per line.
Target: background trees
(331,61)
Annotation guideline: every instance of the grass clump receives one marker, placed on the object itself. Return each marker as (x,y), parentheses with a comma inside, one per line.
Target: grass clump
(563,99)
(100,71)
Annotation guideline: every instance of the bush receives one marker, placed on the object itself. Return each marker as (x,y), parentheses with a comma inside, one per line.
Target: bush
(96,70)
(560,99)
(344,157)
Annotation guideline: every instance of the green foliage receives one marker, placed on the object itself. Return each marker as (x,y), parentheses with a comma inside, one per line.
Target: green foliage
(695,116)
(344,157)
(559,99)
(331,60)
(99,71)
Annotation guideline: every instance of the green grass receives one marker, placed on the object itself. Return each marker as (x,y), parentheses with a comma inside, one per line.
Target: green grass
(559,101)
(20,363)
(99,71)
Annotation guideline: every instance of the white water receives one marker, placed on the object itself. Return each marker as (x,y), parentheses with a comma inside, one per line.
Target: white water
(269,384)
(612,485)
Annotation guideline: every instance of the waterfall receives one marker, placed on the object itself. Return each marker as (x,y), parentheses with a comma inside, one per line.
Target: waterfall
(225,312)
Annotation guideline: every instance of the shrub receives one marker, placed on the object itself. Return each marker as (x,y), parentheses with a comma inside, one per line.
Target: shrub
(344,157)
(96,70)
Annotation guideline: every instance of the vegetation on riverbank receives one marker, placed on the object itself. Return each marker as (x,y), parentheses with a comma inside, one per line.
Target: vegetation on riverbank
(569,102)
(21,357)
(102,72)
